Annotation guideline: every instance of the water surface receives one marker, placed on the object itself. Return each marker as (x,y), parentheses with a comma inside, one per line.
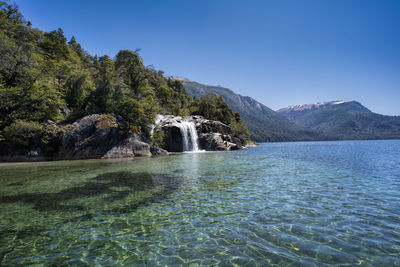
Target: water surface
(314,203)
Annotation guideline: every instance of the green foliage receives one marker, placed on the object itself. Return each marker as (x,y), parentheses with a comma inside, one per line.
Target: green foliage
(38,104)
(29,135)
(50,139)
(240,130)
(102,98)
(22,133)
(54,45)
(131,110)
(41,75)
(77,88)
(77,48)
(132,71)
(176,85)
(212,106)
(157,139)
(138,113)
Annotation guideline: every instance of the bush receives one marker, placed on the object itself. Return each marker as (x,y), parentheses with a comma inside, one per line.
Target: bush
(240,130)
(213,107)
(157,139)
(51,139)
(23,133)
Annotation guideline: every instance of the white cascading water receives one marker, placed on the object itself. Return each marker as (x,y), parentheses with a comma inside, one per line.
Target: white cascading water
(187,129)
(189,135)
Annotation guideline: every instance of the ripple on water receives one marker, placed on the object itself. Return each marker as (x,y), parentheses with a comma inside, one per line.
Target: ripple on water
(321,203)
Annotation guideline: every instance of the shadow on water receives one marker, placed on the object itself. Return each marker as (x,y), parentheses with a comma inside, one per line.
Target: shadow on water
(113,193)
(104,184)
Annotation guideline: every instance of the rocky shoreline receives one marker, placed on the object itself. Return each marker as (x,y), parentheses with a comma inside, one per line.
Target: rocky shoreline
(109,136)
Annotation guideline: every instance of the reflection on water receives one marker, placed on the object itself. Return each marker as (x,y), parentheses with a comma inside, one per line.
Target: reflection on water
(322,203)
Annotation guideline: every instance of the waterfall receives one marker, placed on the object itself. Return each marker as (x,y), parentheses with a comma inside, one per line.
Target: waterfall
(189,136)
(186,126)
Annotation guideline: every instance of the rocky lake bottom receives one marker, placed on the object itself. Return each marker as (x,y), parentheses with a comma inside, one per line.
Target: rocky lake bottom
(305,203)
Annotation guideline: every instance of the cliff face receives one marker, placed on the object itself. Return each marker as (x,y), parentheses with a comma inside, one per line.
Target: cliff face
(108,136)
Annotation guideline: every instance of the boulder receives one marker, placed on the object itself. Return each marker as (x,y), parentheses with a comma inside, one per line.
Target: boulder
(156,151)
(129,147)
(217,142)
(99,136)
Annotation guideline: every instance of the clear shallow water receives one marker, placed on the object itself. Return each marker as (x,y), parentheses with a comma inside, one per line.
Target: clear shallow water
(317,203)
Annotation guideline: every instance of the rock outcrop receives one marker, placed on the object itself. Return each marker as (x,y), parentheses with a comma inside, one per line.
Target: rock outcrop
(211,135)
(101,136)
(109,136)
(91,137)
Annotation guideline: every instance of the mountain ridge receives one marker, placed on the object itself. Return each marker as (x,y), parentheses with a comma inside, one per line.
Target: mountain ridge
(318,105)
(264,124)
(343,120)
(330,120)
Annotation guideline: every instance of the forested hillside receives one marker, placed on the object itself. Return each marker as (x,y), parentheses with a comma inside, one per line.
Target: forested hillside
(264,124)
(44,76)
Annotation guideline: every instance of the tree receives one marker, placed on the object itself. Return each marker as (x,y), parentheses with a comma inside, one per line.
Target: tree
(17,47)
(130,67)
(176,85)
(213,107)
(54,45)
(41,73)
(77,88)
(77,48)
(101,100)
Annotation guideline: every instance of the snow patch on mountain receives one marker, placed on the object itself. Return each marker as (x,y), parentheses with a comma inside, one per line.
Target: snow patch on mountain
(313,106)
(180,78)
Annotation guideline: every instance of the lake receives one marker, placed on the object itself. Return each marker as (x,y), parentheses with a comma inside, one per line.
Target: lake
(304,203)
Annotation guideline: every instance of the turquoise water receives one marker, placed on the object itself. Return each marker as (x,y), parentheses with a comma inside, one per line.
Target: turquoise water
(315,203)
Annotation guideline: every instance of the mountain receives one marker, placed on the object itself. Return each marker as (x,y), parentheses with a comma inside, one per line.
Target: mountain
(341,120)
(264,124)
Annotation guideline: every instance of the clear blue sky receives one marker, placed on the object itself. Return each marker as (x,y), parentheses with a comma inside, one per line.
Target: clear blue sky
(279,52)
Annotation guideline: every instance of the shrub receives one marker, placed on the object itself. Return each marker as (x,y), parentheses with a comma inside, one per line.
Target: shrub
(157,139)
(108,121)
(51,139)
(240,130)
(23,133)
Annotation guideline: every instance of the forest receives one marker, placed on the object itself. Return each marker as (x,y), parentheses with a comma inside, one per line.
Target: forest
(44,77)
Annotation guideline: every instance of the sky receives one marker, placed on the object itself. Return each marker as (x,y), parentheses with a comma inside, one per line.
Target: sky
(281,52)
